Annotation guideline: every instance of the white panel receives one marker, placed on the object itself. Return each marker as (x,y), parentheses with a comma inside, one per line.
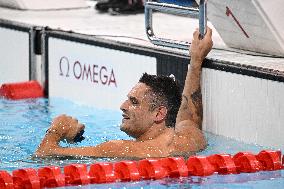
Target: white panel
(207,98)
(254,25)
(224,109)
(43,4)
(273,14)
(275,117)
(14,63)
(112,73)
(260,111)
(245,108)
(205,93)
(233,97)
(252,109)
(279,101)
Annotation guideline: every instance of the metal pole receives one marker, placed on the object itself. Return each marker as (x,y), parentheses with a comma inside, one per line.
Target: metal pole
(202,18)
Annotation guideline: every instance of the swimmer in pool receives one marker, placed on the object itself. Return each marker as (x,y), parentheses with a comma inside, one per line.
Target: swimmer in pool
(162,121)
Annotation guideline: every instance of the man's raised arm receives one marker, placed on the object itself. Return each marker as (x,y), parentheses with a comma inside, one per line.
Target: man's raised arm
(191,105)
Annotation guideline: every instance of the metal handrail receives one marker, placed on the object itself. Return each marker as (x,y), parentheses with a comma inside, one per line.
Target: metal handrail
(191,12)
(202,17)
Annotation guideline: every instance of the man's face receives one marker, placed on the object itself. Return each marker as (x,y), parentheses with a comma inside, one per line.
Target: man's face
(137,117)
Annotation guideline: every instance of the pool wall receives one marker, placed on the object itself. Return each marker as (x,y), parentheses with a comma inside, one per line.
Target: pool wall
(15,51)
(241,102)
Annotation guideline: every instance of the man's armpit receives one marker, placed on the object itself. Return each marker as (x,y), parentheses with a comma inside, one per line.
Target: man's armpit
(185,126)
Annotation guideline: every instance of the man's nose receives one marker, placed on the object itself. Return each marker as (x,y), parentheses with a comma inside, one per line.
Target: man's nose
(123,106)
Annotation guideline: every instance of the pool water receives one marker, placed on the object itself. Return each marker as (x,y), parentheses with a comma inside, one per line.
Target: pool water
(23,124)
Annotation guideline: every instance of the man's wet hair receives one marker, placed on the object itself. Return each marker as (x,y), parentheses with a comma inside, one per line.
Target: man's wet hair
(165,92)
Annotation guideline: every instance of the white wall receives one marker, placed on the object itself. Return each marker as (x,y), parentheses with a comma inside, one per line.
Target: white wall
(245,108)
(14,56)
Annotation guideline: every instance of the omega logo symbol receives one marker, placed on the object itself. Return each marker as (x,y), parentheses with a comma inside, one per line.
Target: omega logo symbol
(65,65)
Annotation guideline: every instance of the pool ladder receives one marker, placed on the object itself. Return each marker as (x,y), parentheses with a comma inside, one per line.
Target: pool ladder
(191,12)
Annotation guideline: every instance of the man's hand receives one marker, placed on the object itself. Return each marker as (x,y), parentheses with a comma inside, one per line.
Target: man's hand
(200,47)
(66,127)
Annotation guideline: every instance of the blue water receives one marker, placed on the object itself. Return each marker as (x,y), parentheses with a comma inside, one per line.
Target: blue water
(23,124)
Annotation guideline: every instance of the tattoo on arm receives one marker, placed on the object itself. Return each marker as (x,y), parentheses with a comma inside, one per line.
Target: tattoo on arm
(185,97)
(185,107)
(196,98)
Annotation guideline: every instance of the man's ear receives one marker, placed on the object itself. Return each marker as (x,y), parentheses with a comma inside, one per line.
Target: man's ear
(161,114)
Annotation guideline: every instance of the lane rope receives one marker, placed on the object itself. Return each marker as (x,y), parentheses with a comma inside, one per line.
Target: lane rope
(145,169)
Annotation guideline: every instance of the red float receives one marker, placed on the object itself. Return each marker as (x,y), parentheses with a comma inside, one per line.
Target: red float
(246,162)
(23,90)
(199,166)
(76,174)
(270,160)
(51,177)
(174,166)
(6,180)
(26,178)
(223,163)
(127,171)
(151,169)
(102,173)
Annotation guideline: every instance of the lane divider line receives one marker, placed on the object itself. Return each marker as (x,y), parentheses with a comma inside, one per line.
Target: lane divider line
(145,169)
